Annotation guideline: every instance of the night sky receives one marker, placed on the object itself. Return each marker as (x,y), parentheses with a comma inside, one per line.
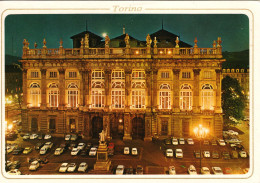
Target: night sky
(232,28)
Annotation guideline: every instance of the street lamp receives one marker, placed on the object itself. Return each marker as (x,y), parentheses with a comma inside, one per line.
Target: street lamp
(200,132)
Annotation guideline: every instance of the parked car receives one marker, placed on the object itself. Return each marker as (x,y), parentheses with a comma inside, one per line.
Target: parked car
(63,167)
(242,154)
(197,154)
(48,144)
(233,141)
(110,150)
(72,145)
(44,150)
(239,147)
(190,141)
(172,170)
(83,167)
(139,170)
(232,132)
(126,150)
(169,153)
(27,150)
(40,136)
(39,145)
(74,137)
(217,171)
(245,170)
(26,136)
(120,169)
(134,151)
(178,153)
(215,154)
(181,141)
(47,136)
(81,146)
(83,153)
(34,165)
(167,141)
(71,167)
(228,170)
(93,151)
(205,170)
(175,141)
(192,170)
(14,172)
(129,171)
(111,145)
(58,151)
(206,154)
(75,151)
(8,165)
(15,165)
(17,151)
(33,136)
(67,137)
(221,142)
(234,154)
(64,146)
(225,155)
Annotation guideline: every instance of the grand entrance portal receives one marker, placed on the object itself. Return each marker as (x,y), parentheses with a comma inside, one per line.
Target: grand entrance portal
(138,128)
(97,126)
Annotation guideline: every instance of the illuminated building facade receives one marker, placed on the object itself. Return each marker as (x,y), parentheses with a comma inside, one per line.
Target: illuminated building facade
(134,89)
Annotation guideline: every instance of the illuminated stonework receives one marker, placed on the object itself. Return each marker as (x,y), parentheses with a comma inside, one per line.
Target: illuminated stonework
(136,89)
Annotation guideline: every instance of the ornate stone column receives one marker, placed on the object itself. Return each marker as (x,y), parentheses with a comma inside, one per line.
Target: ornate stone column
(107,89)
(218,108)
(82,87)
(148,90)
(88,92)
(127,127)
(154,120)
(176,90)
(62,89)
(43,89)
(25,98)
(196,90)
(127,89)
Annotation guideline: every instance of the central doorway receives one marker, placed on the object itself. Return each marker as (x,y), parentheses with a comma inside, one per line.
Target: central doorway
(138,128)
(97,126)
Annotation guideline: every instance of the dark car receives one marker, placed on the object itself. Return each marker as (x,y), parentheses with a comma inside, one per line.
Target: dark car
(72,145)
(17,151)
(40,160)
(239,147)
(39,145)
(89,145)
(83,153)
(110,151)
(226,155)
(129,171)
(40,136)
(167,141)
(15,165)
(8,164)
(139,170)
(65,146)
(234,154)
(197,154)
(215,155)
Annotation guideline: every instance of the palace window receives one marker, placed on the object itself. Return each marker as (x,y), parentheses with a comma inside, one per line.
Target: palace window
(207,97)
(186,97)
(53,74)
(73,95)
(53,95)
(35,93)
(118,89)
(207,74)
(186,75)
(35,74)
(98,88)
(165,74)
(138,89)
(165,96)
(73,74)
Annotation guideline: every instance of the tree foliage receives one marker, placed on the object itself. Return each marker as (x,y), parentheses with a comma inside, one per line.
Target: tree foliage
(233,100)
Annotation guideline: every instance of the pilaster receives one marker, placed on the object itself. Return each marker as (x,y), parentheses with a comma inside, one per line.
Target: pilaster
(107,89)
(176,90)
(61,89)
(25,102)
(127,127)
(127,89)
(218,108)
(43,89)
(196,89)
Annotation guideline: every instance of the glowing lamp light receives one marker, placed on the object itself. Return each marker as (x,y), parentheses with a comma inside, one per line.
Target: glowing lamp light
(169,52)
(104,34)
(161,52)
(10,127)
(120,120)
(137,52)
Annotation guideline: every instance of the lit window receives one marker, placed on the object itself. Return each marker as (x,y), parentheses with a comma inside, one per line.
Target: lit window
(53,95)
(138,89)
(186,75)
(73,94)
(207,97)
(35,93)
(118,89)
(165,74)
(165,96)
(53,74)
(98,89)
(98,74)
(35,74)
(72,74)
(186,97)
(207,74)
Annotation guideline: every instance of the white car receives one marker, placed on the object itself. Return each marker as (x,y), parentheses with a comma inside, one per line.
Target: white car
(33,136)
(34,165)
(232,132)
(206,154)
(120,169)
(59,151)
(75,151)
(93,151)
(44,150)
(217,171)
(126,150)
(67,137)
(221,142)
(181,141)
(172,170)
(205,170)
(71,167)
(47,136)
(169,153)
(63,167)
(14,172)
(48,144)
(134,151)
(83,167)
(192,170)
(175,141)
(242,154)
(81,146)
(178,153)
(190,141)
(26,136)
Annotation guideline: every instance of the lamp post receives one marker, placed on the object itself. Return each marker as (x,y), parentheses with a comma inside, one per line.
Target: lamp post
(200,132)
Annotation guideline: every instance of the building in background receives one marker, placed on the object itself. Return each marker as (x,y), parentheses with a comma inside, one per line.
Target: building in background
(130,88)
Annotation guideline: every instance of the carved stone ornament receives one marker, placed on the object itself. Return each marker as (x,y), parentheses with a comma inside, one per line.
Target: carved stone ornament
(127,39)
(177,42)
(214,44)
(44,43)
(148,40)
(35,45)
(155,42)
(87,40)
(107,41)
(219,41)
(195,42)
(61,42)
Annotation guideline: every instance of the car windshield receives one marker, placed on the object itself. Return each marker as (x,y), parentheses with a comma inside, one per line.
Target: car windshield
(64,165)
(72,165)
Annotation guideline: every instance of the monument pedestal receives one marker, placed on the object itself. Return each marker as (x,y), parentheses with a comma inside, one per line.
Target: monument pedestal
(102,163)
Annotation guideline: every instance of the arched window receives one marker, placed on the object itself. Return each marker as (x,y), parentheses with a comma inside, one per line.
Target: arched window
(207,97)
(73,94)
(98,88)
(165,96)
(118,89)
(53,95)
(138,89)
(186,97)
(35,93)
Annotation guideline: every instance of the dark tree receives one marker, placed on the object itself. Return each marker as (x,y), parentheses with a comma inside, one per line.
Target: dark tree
(233,100)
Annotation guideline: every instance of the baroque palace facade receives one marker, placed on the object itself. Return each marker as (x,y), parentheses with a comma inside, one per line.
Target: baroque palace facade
(160,87)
